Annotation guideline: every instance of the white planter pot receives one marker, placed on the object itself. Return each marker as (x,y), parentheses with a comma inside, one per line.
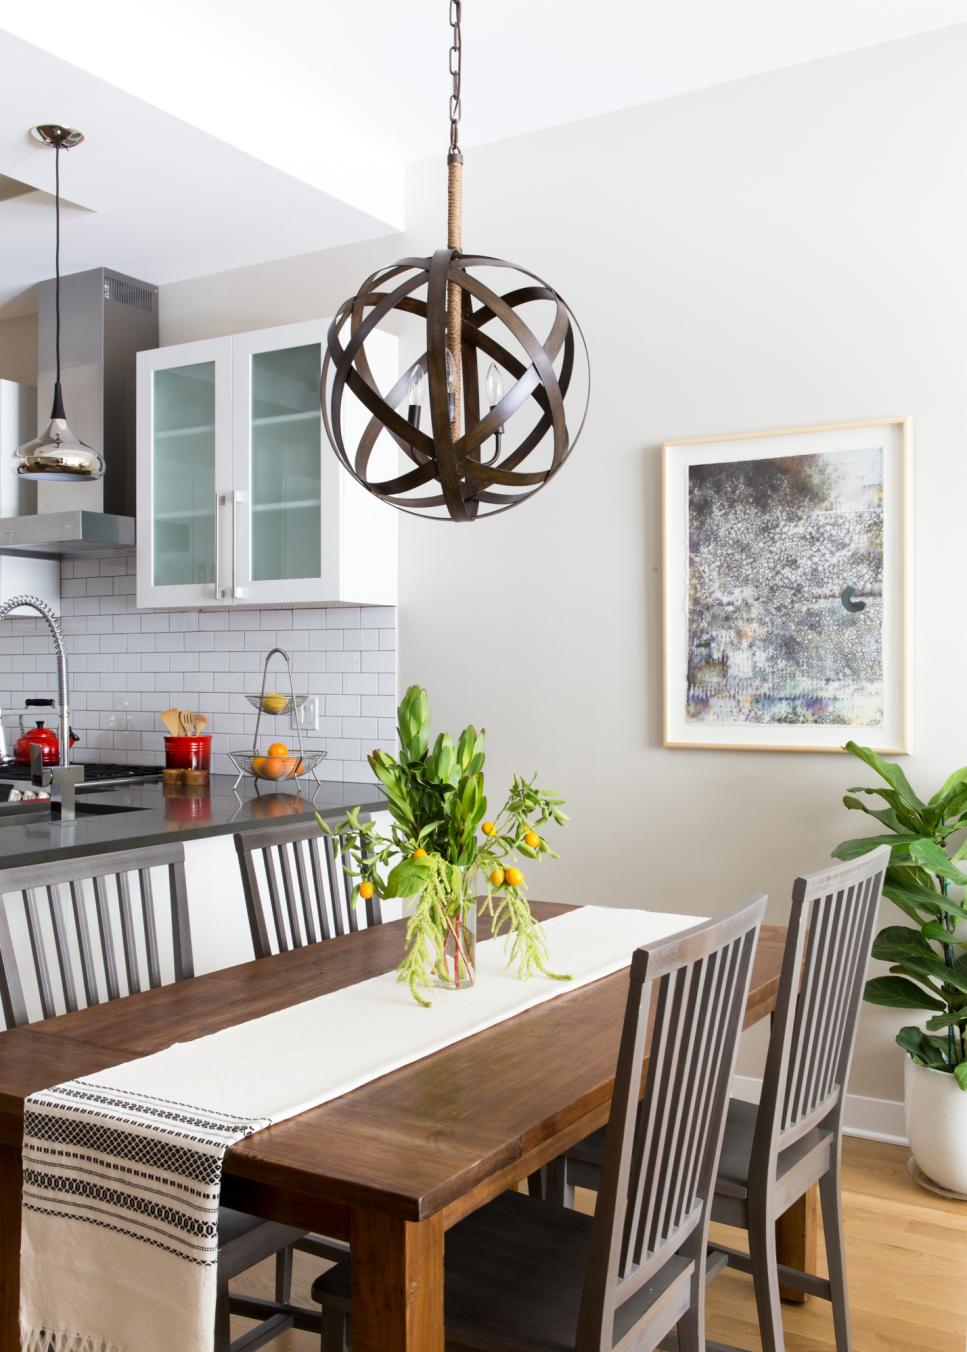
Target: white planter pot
(936,1112)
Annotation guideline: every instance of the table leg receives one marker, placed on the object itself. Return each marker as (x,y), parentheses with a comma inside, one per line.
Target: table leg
(797,1240)
(397,1283)
(10,1200)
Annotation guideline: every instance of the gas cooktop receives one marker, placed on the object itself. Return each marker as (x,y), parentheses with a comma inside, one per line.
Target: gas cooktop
(102,773)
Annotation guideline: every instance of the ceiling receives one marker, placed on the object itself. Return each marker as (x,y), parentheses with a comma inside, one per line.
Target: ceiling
(228,132)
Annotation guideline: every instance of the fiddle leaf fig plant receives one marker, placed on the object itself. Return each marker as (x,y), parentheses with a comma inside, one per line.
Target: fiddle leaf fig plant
(928,959)
(441,846)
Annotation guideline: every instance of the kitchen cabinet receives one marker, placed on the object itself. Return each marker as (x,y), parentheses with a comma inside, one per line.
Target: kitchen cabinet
(241,500)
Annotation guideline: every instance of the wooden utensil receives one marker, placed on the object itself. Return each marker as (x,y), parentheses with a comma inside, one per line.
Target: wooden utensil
(171,718)
(188,723)
(201,723)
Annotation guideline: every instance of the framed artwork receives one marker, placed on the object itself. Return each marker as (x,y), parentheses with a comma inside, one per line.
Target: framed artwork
(786,590)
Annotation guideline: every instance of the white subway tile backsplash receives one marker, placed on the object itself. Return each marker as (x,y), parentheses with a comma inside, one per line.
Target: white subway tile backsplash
(360,638)
(128,665)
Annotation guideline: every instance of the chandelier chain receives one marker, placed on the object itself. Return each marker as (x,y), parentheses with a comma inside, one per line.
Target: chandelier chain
(456,58)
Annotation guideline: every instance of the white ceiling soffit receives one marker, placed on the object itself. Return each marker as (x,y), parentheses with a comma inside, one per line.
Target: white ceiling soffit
(333,91)
(146,192)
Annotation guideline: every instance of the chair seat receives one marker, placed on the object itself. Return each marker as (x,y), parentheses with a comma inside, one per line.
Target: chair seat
(591,1149)
(736,1158)
(514,1276)
(244,1240)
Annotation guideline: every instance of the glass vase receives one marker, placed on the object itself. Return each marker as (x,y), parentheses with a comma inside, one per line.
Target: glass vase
(457,968)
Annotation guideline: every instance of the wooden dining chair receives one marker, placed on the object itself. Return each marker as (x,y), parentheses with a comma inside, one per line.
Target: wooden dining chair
(83,931)
(298,891)
(774,1152)
(527,1275)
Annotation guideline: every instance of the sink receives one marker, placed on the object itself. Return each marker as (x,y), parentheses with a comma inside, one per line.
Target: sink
(84,806)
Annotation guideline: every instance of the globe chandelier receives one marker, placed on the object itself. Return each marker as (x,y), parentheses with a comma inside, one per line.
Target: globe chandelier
(502,372)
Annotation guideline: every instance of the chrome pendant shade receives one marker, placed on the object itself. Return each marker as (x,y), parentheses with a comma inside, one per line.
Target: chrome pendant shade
(58,454)
(497,361)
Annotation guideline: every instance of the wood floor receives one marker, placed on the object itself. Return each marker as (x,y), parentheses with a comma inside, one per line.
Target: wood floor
(907,1256)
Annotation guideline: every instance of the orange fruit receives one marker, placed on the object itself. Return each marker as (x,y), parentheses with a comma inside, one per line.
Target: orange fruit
(365,891)
(418,854)
(278,749)
(258,764)
(514,877)
(488,828)
(274,768)
(497,877)
(531,838)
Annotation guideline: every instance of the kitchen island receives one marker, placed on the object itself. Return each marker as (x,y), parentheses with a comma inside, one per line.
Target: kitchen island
(134,816)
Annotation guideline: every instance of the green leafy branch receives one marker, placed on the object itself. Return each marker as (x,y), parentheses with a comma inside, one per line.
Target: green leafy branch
(927,969)
(440,842)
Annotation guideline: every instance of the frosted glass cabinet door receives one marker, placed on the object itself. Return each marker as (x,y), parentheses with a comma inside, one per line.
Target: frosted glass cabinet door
(184,472)
(286,506)
(183,433)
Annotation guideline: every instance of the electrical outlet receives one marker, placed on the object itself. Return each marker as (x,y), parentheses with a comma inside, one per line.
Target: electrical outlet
(306,716)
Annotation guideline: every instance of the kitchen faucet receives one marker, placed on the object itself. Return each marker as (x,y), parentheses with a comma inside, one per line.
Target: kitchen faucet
(62,778)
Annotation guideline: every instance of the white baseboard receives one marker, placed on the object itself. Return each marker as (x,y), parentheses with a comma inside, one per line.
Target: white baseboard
(874,1119)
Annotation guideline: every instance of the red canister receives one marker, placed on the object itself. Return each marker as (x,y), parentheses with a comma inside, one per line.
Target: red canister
(188,753)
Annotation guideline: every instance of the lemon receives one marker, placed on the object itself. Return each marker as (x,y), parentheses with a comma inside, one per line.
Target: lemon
(497,877)
(488,828)
(273,703)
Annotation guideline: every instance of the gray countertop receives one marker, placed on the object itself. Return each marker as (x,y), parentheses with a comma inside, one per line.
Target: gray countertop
(152,813)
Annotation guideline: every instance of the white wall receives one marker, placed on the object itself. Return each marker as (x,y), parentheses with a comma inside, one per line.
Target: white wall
(783,250)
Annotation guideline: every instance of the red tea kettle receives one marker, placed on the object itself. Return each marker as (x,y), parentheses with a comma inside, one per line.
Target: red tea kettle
(45,738)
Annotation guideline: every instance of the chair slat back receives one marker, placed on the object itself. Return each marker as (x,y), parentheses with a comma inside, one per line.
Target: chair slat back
(820,992)
(660,1159)
(297,890)
(78,920)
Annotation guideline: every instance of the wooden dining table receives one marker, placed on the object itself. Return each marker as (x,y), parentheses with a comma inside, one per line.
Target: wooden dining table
(392,1165)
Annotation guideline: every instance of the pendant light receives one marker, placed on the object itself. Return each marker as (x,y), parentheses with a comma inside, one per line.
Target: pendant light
(58,454)
(482,367)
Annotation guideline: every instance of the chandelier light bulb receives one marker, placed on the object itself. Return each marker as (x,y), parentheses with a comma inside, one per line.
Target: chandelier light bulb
(494,384)
(417,390)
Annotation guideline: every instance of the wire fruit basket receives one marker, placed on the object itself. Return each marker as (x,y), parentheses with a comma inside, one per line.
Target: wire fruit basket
(276,705)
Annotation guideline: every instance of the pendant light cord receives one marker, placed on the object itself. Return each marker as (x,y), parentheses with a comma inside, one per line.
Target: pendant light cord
(455,210)
(57,256)
(57,408)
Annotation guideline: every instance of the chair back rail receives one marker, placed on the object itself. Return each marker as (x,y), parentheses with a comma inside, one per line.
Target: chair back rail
(297,889)
(660,1158)
(87,920)
(817,1011)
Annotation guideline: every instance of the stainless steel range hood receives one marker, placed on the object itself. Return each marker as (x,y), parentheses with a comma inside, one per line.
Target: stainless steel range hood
(106,319)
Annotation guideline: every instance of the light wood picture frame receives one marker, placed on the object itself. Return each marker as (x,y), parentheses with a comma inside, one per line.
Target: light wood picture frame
(786,588)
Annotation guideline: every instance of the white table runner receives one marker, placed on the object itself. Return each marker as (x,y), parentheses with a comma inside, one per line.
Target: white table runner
(122,1169)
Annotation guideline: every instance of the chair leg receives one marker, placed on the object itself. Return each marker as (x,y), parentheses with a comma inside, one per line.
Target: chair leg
(334,1331)
(558,1188)
(283,1276)
(535,1184)
(223,1327)
(829,1195)
(691,1327)
(765,1278)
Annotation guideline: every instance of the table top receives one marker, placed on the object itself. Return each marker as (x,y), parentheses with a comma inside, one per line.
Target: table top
(409,1143)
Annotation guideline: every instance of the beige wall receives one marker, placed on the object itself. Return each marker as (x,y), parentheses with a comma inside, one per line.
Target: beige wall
(18,349)
(783,250)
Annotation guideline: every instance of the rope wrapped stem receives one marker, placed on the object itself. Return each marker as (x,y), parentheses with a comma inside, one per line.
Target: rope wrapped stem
(454,296)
